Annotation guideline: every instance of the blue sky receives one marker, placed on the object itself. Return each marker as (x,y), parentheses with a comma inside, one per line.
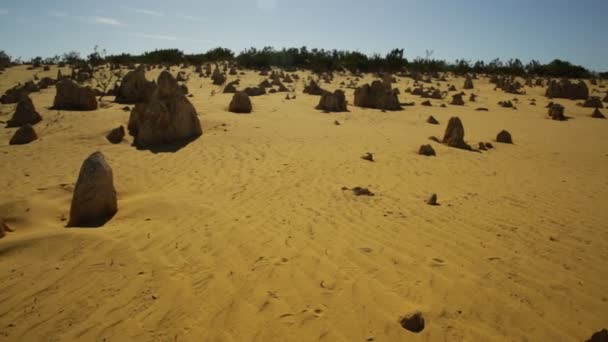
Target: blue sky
(576,31)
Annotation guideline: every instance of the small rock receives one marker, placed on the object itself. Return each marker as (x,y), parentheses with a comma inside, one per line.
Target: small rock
(432,200)
(359,191)
(368,156)
(426,150)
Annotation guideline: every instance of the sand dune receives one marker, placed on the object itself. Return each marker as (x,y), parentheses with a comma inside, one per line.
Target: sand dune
(246,234)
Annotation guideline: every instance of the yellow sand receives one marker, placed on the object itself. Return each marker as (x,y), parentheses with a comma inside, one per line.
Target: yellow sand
(246,235)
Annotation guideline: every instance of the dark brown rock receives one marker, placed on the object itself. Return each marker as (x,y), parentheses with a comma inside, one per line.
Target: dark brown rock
(454,134)
(25,113)
(332,102)
(567,90)
(71,96)
(24,135)
(378,95)
(255,91)
(426,150)
(597,114)
(116,135)
(457,100)
(599,336)
(94,201)
(556,112)
(432,120)
(313,89)
(14,94)
(504,137)
(432,200)
(135,88)
(468,83)
(240,103)
(593,102)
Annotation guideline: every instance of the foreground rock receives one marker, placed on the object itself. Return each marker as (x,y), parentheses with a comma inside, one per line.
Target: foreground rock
(116,135)
(24,135)
(378,95)
(25,113)
(135,88)
(504,137)
(71,96)
(333,102)
(426,150)
(567,90)
(94,200)
(431,119)
(169,117)
(454,134)
(457,100)
(240,103)
(599,336)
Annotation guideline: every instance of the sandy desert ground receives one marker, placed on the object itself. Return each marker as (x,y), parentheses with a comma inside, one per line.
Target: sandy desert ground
(245,234)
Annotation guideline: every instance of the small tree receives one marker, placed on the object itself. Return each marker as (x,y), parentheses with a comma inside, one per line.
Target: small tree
(104,77)
(5,59)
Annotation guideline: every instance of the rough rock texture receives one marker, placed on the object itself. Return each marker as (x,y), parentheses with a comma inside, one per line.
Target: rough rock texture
(25,113)
(556,112)
(332,102)
(94,200)
(432,200)
(454,134)
(378,95)
(313,89)
(504,137)
(567,90)
(46,82)
(134,87)
(116,135)
(24,135)
(169,117)
(240,103)
(426,150)
(14,94)
(71,96)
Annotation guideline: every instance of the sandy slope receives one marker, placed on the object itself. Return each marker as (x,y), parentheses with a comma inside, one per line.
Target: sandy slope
(245,234)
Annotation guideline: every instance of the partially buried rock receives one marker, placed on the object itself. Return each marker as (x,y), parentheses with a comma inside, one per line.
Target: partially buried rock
(368,156)
(332,102)
(454,134)
(230,88)
(489,145)
(426,103)
(71,96)
(255,91)
(597,114)
(168,118)
(432,120)
(426,150)
(240,103)
(504,137)
(94,200)
(432,200)
(25,113)
(482,146)
(116,135)
(24,135)
(4,228)
(567,90)
(359,191)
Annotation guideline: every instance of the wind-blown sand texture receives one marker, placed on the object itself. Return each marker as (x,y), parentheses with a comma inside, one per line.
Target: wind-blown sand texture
(245,234)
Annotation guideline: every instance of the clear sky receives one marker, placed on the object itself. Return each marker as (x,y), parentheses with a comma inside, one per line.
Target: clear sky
(573,30)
